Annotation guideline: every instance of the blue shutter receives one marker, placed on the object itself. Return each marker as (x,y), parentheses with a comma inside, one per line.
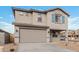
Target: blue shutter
(63,19)
(53,18)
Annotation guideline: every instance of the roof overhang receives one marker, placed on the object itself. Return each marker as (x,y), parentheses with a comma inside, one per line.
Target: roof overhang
(58,9)
(4,31)
(39,11)
(28,10)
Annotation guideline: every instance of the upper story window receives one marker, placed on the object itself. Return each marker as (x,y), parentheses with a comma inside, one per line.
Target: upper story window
(63,19)
(53,18)
(39,19)
(57,18)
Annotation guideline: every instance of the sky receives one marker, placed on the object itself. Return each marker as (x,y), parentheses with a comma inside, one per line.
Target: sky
(6,16)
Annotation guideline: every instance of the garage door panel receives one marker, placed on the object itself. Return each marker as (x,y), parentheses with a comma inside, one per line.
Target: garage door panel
(30,35)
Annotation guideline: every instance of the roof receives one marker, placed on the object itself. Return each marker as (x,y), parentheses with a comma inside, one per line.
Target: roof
(39,11)
(3,31)
(29,25)
(58,9)
(28,10)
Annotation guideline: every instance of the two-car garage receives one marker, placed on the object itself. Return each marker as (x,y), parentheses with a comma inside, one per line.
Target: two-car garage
(33,35)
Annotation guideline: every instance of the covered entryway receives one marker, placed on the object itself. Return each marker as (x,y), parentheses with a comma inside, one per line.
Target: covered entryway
(57,35)
(32,35)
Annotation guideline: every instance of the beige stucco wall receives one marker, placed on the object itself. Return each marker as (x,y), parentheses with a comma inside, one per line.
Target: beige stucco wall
(54,25)
(35,19)
(48,35)
(23,18)
(16,35)
(2,38)
(31,18)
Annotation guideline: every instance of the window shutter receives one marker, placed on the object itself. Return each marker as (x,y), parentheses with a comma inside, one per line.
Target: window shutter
(63,19)
(53,18)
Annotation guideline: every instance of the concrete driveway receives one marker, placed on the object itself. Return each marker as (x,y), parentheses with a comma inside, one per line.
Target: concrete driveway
(40,47)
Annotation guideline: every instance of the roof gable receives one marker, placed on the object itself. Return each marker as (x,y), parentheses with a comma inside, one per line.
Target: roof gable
(58,9)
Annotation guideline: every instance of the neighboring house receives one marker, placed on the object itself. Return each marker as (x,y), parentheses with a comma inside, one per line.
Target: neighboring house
(77,33)
(36,26)
(73,34)
(4,37)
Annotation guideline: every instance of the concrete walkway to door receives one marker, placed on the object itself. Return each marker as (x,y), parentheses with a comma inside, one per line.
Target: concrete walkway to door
(40,47)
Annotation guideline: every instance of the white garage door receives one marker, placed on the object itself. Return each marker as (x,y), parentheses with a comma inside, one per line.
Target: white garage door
(32,35)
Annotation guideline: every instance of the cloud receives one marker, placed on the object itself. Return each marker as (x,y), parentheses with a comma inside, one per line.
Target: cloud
(1,17)
(11,16)
(7,27)
(73,23)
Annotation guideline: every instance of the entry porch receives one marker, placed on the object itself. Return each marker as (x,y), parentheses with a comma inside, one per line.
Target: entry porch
(58,35)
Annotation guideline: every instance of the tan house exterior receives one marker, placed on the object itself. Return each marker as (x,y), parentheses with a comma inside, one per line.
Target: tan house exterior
(36,26)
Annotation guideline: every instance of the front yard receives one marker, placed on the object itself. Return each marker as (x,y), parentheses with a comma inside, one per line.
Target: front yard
(8,48)
(70,45)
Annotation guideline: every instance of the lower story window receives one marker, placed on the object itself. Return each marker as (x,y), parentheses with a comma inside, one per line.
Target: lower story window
(54,35)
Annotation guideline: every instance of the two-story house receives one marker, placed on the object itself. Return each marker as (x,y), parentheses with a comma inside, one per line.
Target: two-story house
(36,26)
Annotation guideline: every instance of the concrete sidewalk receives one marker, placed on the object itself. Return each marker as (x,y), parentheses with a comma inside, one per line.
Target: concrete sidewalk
(40,47)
